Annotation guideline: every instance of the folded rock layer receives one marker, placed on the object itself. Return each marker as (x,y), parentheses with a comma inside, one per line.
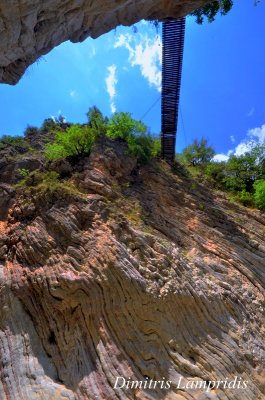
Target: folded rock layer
(144,274)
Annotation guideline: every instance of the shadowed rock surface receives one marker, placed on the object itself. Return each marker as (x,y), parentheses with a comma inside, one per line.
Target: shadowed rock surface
(31,28)
(143,273)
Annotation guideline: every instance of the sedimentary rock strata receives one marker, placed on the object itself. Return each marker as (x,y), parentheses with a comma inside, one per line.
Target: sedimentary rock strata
(31,28)
(143,274)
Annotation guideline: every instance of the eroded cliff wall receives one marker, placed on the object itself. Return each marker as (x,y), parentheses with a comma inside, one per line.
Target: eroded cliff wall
(145,273)
(31,28)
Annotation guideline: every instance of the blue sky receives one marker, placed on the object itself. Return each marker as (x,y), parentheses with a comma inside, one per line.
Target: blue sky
(223,84)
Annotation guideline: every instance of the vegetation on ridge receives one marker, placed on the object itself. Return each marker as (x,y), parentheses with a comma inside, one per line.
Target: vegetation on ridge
(78,139)
(242,176)
(57,141)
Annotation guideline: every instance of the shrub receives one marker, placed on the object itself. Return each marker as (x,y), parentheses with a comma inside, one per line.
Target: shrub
(140,143)
(96,120)
(75,141)
(49,124)
(23,172)
(17,142)
(122,125)
(43,183)
(143,146)
(239,173)
(198,153)
(36,178)
(259,194)
(30,131)
(246,198)
(216,171)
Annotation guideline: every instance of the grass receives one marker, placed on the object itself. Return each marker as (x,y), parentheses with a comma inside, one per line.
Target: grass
(47,182)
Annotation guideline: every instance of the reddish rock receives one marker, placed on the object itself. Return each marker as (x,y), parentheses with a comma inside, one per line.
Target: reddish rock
(146,278)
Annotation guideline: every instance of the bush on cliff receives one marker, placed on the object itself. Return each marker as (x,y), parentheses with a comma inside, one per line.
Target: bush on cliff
(77,141)
(140,142)
(243,176)
(96,120)
(242,171)
(42,183)
(17,142)
(122,125)
(198,153)
(259,195)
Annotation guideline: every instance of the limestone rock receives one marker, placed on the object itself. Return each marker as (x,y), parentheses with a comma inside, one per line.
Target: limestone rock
(139,276)
(7,194)
(9,169)
(31,28)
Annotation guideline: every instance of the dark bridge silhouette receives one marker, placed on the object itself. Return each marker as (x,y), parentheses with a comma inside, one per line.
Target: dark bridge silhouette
(172,56)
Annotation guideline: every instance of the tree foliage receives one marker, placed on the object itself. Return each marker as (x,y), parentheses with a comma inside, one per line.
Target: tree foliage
(144,146)
(198,153)
(241,172)
(259,195)
(210,10)
(77,140)
(122,125)
(17,142)
(243,175)
(140,142)
(96,120)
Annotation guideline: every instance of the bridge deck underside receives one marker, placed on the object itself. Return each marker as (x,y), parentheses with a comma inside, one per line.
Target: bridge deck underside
(172,56)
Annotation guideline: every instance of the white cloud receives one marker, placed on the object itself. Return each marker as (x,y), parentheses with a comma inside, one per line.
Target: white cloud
(59,114)
(220,157)
(254,136)
(72,93)
(243,148)
(111,82)
(251,112)
(146,53)
(93,51)
(232,138)
(258,134)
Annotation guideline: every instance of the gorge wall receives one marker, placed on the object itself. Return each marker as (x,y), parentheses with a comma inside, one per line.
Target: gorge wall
(31,28)
(142,273)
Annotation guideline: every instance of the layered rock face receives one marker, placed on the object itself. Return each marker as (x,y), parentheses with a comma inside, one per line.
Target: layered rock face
(31,28)
(144,274)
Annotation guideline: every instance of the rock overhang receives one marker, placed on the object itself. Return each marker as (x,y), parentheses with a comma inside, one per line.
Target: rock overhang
(32,28)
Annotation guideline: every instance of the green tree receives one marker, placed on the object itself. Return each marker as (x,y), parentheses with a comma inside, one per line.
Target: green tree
(242,171)
(259,194)
(49,124)
(211,9)
(96,120)
(122,125)
(75,141)
(30,131)
(198,153)
(140,142)
(216,171)
(144,146)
